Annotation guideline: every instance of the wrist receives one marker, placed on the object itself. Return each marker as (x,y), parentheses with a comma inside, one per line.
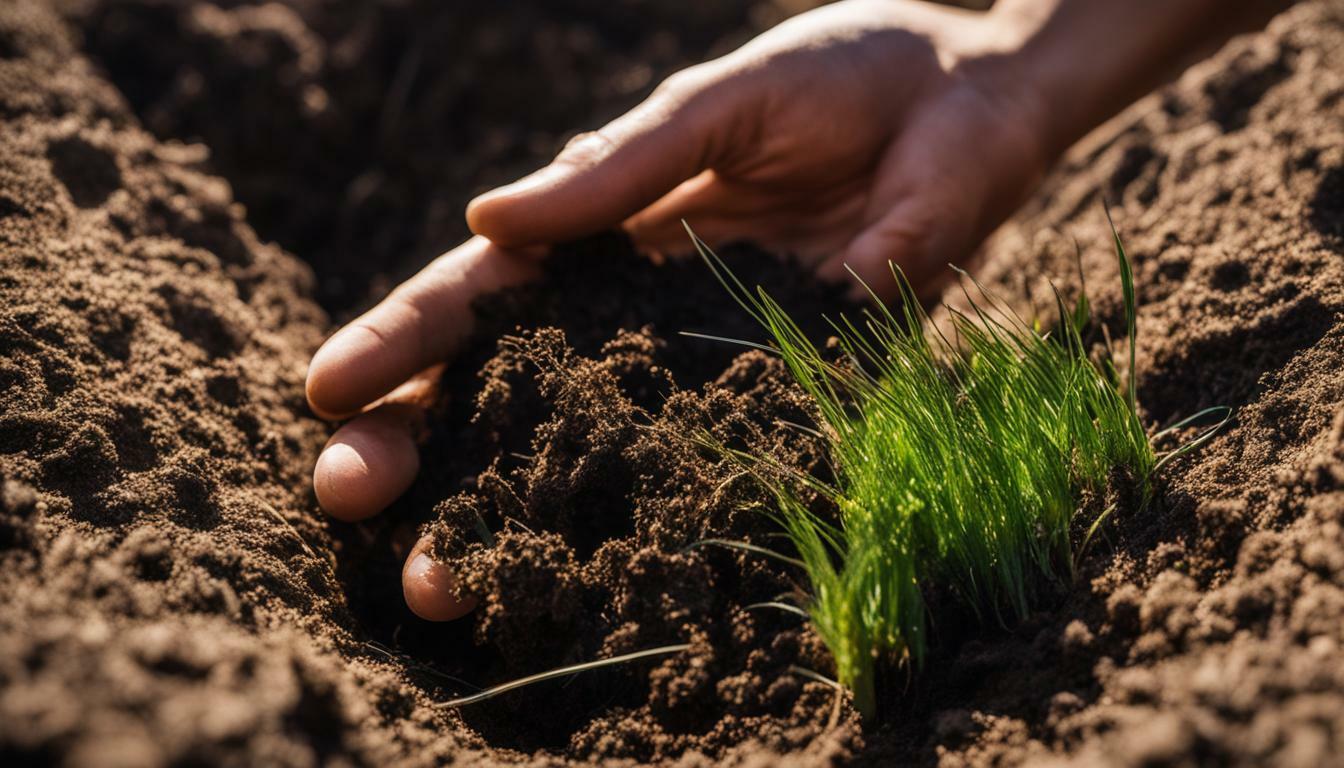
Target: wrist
(1038,58)
(1075,63)
(993,58)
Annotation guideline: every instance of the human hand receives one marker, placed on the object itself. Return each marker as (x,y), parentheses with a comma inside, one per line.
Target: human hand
(863,132)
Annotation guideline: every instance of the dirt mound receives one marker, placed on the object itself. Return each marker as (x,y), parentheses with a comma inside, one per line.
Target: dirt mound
(1213,634)
(169,589)
(172,594)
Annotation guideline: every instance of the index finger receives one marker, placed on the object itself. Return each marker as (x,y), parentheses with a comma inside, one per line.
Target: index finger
(422,322)
(603,177)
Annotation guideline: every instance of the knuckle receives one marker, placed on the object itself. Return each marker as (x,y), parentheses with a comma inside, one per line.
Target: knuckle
(685,84)
(673,85)
(586,149)
(370,329)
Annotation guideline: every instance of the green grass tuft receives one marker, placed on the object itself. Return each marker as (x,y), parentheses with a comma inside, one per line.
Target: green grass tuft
(957,462)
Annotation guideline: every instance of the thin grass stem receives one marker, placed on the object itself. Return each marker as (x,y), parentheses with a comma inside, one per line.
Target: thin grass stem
(490,693)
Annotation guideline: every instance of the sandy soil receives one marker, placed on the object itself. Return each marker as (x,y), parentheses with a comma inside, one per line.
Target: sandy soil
(172,594)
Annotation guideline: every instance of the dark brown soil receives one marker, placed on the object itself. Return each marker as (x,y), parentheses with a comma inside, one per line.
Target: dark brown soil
(172,594)
(576,450)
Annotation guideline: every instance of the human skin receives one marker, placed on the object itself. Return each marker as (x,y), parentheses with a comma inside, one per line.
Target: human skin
(863,132)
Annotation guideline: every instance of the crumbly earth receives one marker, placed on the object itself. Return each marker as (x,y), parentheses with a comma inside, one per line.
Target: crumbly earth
(172,594)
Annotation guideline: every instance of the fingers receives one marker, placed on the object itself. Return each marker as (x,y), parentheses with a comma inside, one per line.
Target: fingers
(420,323)
(430,588)
(365,466)
(907,236)
(775,217)
(369,462)
(602,178)
(717,208)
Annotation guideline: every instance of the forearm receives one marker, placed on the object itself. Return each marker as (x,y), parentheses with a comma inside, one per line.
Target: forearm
(1085,60)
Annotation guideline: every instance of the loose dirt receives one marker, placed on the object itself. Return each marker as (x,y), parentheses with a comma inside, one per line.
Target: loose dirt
(173,595)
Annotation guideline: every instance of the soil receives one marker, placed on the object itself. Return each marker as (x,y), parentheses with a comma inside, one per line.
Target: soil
(174,596)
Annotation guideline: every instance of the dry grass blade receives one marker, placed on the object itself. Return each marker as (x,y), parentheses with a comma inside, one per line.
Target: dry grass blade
(490,693)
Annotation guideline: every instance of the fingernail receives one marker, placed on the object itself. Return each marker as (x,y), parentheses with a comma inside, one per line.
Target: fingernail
(419,567)
(430,592)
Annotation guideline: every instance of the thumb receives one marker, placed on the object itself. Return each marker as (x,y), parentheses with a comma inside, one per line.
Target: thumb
(603,177)
(911,236)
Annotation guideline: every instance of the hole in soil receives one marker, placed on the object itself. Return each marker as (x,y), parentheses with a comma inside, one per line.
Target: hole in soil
(225,389)
(11,376)
(1139,162)
(1230,276)
(196,321)
(548,716)
(134,440)
(1237,90)
(1180,386)
(81,468)
(10,207)
(88,172)
(1326,213)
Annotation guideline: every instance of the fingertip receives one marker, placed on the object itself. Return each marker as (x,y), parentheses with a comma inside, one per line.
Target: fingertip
(366,465)
(508,216)
(430,588)
(480,215)
(314,386)
(333,386)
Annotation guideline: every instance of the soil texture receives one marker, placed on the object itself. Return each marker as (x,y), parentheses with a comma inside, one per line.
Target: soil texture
(172,594)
